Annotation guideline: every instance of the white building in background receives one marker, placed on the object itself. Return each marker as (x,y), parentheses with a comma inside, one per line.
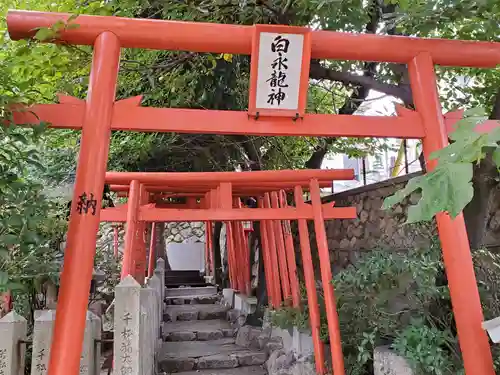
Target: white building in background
(378,167)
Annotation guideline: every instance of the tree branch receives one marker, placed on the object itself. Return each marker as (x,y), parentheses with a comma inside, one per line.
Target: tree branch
(402,92)
(360,92)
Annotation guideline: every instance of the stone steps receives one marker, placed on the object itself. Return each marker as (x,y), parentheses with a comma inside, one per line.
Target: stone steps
(173,313)
(198,355)
(197,330)
(249,370)
(193,300)
(199,339)
(191,291)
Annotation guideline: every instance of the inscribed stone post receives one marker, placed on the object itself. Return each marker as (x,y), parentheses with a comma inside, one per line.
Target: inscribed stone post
(160,266)
(13,327)
(42,338)
(156,284)
(127,356)
(153,285)
(160,271)
(148,330)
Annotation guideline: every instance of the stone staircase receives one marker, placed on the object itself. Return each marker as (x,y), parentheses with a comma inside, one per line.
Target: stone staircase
(176,278)
(199,338)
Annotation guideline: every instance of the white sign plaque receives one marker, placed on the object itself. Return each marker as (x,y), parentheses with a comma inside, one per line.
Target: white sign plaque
(279,71)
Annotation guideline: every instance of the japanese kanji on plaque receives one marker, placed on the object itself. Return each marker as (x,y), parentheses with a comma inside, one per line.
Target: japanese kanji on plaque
(280,71)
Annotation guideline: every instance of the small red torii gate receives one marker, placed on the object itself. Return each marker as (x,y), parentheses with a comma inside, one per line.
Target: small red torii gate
(100,114)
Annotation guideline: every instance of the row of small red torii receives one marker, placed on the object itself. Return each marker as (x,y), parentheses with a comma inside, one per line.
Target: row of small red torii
(222,203)
(101,114)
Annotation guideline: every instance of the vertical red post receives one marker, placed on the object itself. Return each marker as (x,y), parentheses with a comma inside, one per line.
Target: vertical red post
(310,281)
(247,251)
(290,254)
(208,236)
(6,303)
(452,232)
(226,201)
(326,279)
(140,251)
(274,254)
(133,204)
(208,248)
(213,204)
(191,202)
(237,254)
(280,246)
(84,218)
(152,255)
(268,264)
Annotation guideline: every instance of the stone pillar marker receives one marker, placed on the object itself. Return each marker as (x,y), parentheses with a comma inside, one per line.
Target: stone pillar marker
(160,272)
(13,327)
(42,340)
(127,321)
(148,329)
(155,283)
(160,266)
(90,352)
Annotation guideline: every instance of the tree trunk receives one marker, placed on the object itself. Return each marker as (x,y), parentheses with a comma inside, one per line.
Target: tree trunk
(160,246)
(476,213)
(217,256)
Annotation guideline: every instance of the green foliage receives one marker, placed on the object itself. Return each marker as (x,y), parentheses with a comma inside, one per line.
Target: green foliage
(108,265)
(448,187)
(425,348)
(25,213)
(390,298)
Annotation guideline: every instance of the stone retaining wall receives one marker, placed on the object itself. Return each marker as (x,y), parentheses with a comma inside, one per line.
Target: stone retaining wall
(183,232)
(377,228)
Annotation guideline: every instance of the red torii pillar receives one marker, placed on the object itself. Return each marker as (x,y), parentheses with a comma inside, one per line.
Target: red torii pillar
(452,232)
(91,169)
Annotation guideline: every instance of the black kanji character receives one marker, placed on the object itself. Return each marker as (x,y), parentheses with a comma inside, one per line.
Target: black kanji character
(280,44)
(279,63)
(41,367)
(276,96)
(127,318)
(86,203)
(277,79)
(127,358)
(126,333)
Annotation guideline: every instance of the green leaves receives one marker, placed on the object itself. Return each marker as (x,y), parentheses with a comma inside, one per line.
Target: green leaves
(423,347)
(43,34)
(48,33)
(448,188)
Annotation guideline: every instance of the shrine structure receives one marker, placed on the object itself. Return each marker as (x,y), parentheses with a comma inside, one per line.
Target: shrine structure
(278,90)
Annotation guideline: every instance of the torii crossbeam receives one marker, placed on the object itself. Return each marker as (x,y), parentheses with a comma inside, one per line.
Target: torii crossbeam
(100,114)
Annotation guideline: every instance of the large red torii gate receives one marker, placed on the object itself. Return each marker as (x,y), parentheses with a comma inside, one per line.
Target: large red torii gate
(100,114)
